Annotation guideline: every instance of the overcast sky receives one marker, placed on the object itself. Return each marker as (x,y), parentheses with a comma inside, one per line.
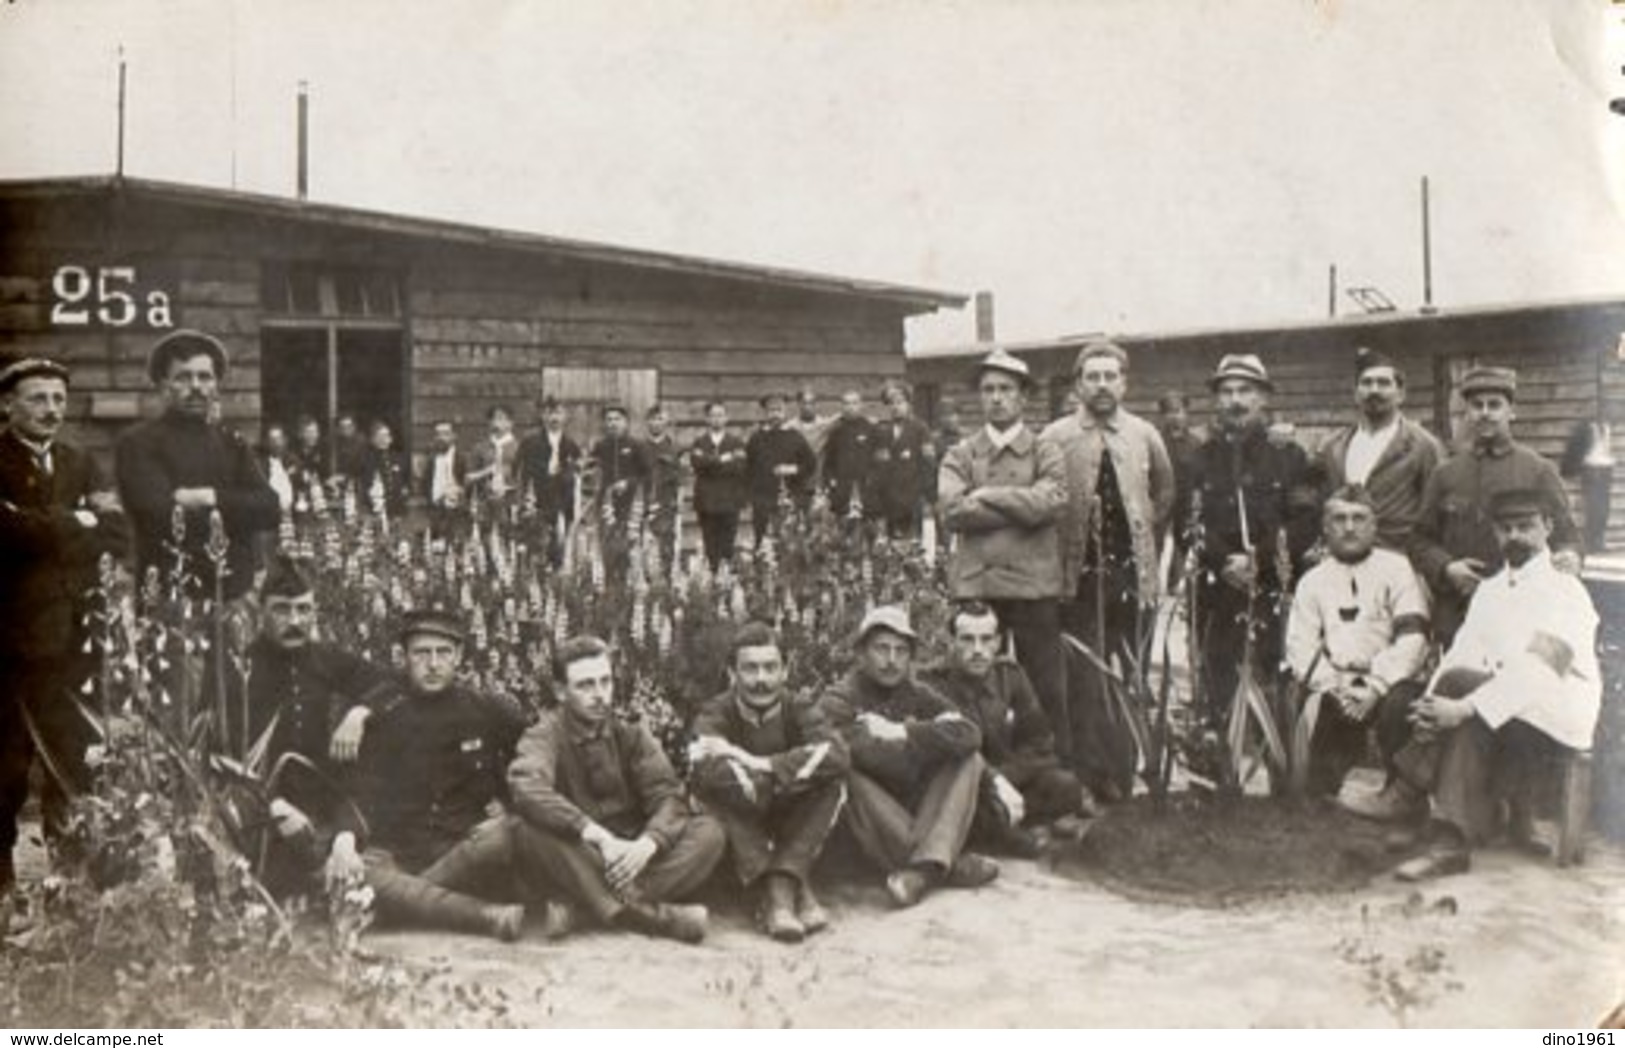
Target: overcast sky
(1099,164)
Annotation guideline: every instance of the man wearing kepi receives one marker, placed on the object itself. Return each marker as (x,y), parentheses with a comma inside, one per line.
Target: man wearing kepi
(437,840)
(308,704)
(770,766)
(1384,452)
(1024,783)
(57,519)
(183,461)
(604,814)
(1519,683)
(1120,493)
(1258,518)
(915,767)
(1454,546)
(1357,644)
(1002,490)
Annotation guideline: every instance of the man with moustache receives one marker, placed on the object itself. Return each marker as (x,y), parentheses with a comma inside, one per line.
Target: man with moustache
(718,458)
(1120,493)
(1384,452)
(308,702)
(1519,685)
(1356,643)
(603,814)
(434,840)
(776,456)
(622,462)
(848,454)
(915,767)
(57,519)
(444,484)
(1003,489)
(1258,518)
(1454,545)
(183,461)
(770,766)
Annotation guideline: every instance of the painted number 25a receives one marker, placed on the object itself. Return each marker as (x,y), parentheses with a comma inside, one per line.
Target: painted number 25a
(107,295)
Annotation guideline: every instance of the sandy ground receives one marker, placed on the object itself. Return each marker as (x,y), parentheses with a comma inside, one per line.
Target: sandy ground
(1517,942)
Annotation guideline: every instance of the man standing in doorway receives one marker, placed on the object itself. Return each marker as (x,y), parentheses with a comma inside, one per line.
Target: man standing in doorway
(1120,488)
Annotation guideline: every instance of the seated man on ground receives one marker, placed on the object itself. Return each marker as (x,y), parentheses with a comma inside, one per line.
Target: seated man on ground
(437,840)
(1519,685)
(772,769)
(1024,784)
(308,704)
(1356,642)
(604,816)
(915,766)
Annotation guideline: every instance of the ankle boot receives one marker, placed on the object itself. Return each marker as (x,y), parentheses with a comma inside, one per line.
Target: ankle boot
(665,921)
(779,909)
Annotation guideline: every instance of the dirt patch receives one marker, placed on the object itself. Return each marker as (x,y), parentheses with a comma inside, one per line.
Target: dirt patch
(1217,852)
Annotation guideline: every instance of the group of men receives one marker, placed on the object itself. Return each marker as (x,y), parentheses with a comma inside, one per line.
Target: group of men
(1055,550)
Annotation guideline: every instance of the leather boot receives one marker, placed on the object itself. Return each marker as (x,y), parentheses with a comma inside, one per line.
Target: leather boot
(665,921)
(431,906)
(779,908)
(809,911)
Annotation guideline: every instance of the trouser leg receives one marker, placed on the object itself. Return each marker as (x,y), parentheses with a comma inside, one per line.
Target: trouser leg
(882,826)
(49,688)
(16,756)
(943,817)
(761,520)
(802,824)
(1462,797)
(567,868)
(1050,793)
(748,841)
(1393,725)
(1597,482)
(679,870)
(419,900)
(1336,747)
(1035,626)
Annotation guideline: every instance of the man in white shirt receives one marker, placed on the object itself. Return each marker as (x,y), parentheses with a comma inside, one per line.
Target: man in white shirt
(444,478)
(1519,684)
(1357,643)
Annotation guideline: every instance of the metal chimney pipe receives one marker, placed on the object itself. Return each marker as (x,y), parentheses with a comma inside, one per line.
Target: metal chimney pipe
(304,142)
(984,316)
(1427,250)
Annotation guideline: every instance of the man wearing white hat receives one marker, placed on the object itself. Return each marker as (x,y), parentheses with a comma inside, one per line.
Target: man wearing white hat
(1258,516)
(1002,490)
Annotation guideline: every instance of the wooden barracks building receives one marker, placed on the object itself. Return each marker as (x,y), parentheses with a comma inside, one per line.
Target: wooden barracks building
(332,310)
(1570,358)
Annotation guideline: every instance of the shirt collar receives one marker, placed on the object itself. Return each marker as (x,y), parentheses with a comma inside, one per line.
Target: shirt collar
(754,717)
(582,730)
(40,451)
(1382,431)
(1088,420)
(1538,564)
(999,440)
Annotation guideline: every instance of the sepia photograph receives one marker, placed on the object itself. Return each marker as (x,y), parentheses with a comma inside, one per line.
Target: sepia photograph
(1026,514)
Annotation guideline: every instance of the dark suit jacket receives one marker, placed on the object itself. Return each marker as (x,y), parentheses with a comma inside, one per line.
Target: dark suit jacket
(719,474)
(554,492)
(50,557)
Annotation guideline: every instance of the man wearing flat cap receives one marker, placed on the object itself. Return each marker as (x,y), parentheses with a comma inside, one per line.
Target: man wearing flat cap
(1519,683)
(848,454)
(903,465)
(308,702)
(434,840)
(916,769)
(547,464)
(1258,516)
(1384,452)
(184,461)
(57,519)
(1003,488)
(1120,493)
(1454,547)
(776,457)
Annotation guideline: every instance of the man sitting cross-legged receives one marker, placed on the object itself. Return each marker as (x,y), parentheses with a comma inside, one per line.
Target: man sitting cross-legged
(1024,784)
(773,770)
(915,766)
(604,815)
(437,840)
(1519,684)
(1357,643)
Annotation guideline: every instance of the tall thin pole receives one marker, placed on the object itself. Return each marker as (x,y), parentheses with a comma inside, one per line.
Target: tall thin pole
(119,163)
(1427,249)
(1331,290)
(304,142)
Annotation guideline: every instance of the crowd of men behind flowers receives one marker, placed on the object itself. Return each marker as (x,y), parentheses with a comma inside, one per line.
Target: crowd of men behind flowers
(495,685)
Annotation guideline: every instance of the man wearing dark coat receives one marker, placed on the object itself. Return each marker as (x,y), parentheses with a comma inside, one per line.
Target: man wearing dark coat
(718,458)
(57,519)
(776,456)
(848,454)
(903,469)
(549,461)
(181,461)
(772,769)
